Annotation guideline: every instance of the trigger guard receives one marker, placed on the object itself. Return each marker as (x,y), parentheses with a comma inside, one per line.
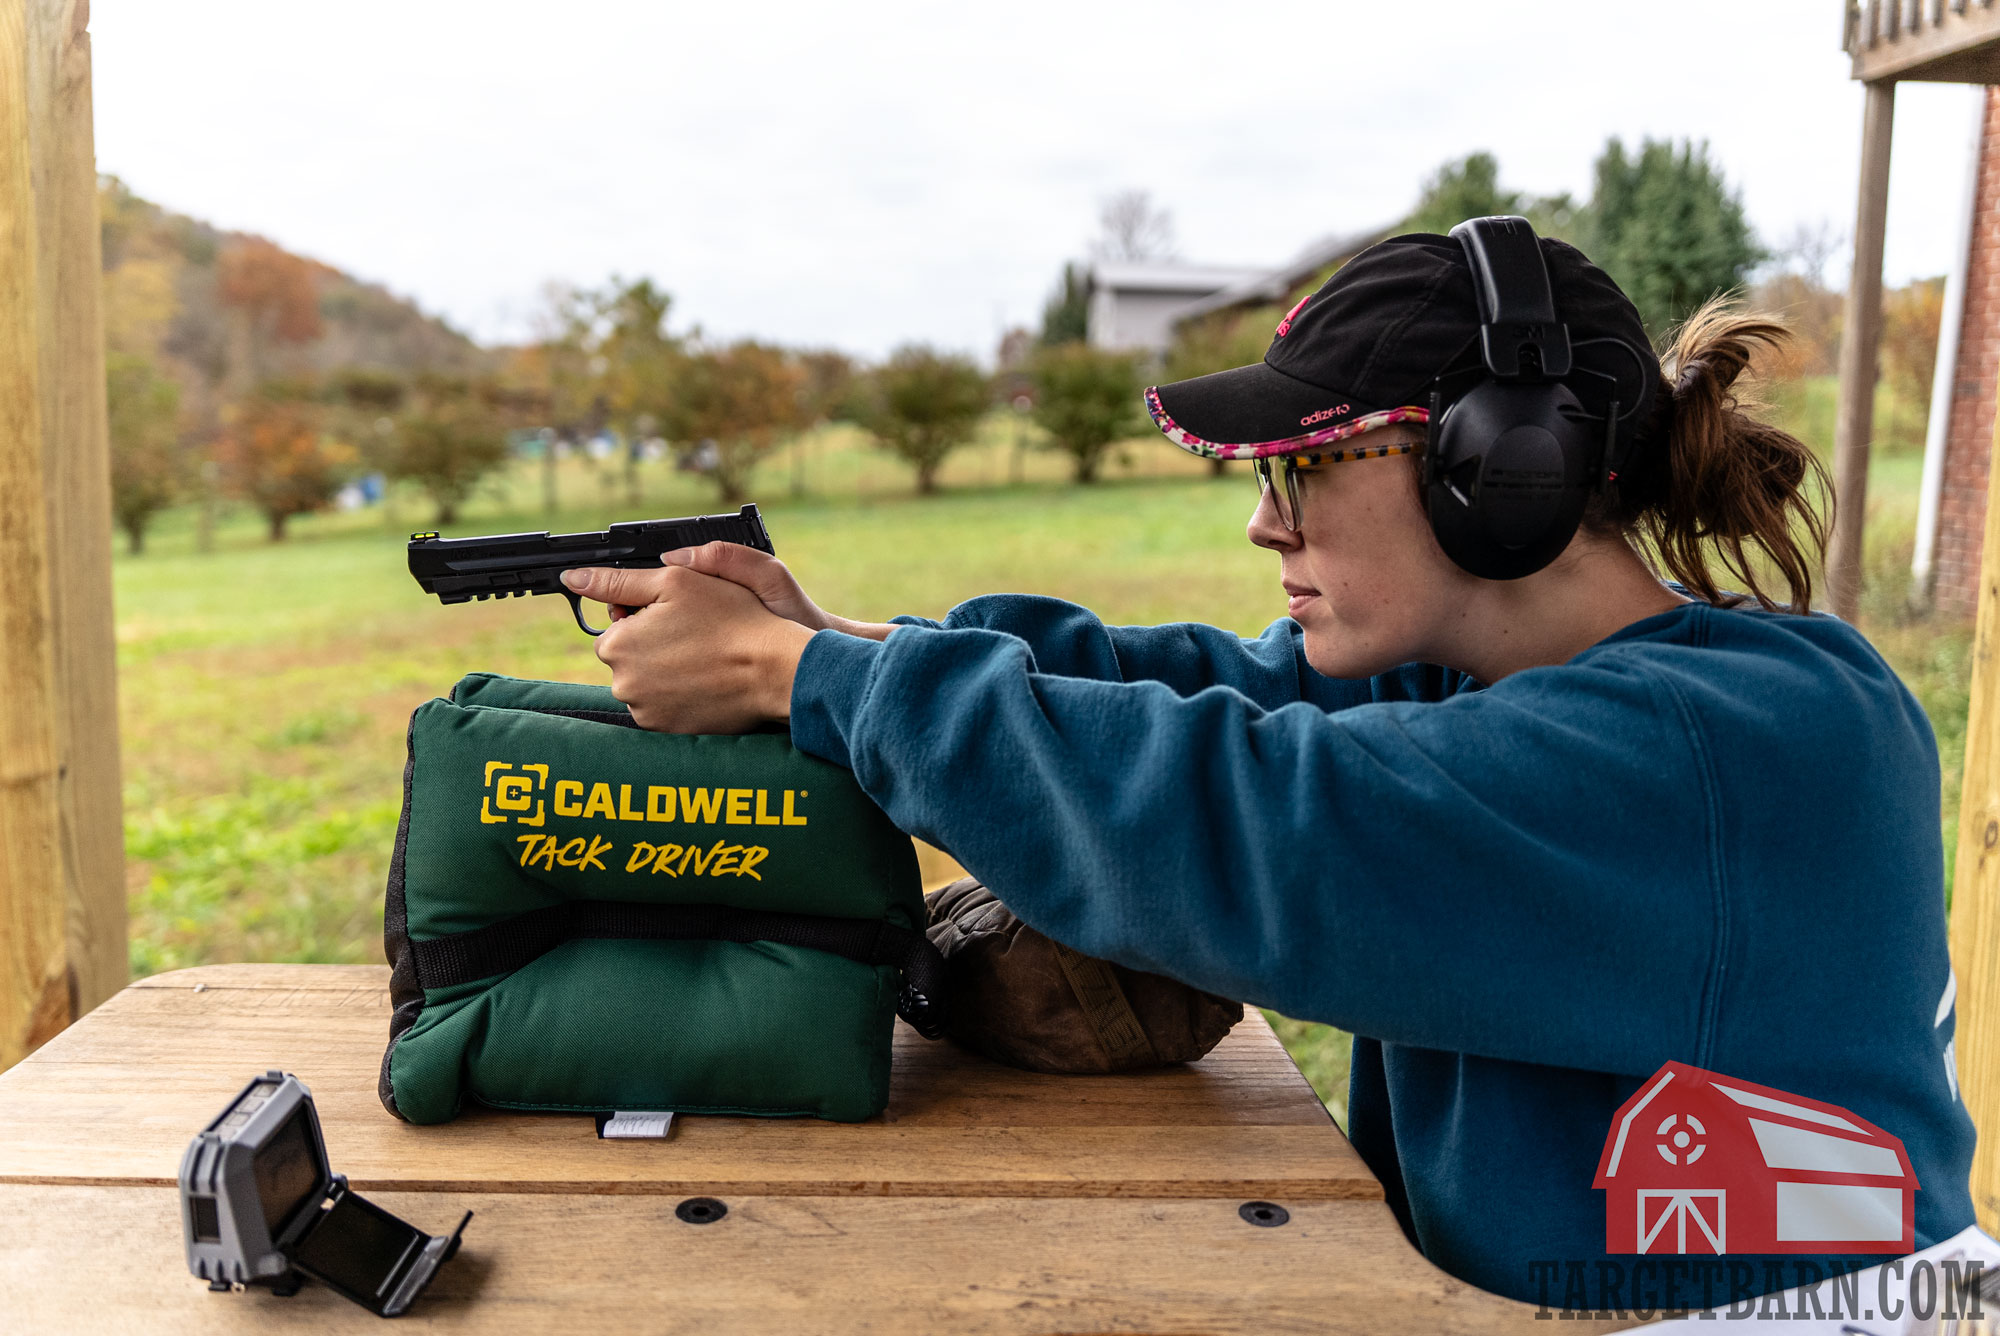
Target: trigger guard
(576,611)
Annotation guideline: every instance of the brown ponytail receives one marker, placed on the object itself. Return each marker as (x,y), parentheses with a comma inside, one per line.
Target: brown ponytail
(1725,485)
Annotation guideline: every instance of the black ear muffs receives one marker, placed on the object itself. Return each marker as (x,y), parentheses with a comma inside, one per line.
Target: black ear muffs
(1510,464)
(1510,467)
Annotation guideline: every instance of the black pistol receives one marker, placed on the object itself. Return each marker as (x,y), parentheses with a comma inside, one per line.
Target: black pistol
(511,564)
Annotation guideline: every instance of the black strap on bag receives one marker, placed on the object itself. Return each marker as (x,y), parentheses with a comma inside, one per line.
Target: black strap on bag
(503,947)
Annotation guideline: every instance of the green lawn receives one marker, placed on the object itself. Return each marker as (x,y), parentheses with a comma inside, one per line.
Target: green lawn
(265,688)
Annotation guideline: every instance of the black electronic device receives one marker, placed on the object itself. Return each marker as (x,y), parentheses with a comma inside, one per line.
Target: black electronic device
(260,1206)
(508,565)
(1511,460)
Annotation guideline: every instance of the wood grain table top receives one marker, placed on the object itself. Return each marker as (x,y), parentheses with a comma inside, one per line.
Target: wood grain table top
(983,1200)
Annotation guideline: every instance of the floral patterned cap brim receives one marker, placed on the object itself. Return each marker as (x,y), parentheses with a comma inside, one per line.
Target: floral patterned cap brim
(1290,445)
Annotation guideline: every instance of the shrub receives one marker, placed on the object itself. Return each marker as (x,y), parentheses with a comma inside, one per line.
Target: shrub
(1085,398)
(922,404)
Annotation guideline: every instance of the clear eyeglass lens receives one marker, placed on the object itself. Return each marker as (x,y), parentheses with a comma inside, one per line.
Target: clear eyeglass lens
(1284,499)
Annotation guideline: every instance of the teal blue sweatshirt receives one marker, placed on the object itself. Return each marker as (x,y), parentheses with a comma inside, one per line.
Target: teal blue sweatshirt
(1712,838)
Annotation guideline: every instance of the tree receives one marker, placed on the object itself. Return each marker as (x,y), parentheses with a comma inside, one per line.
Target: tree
(638,357)
(275,455)
(1795,288)
(1130,227)
(276,296)
(922,404)
(1910,318)
(1086,398)
(1066,314)
(732,406)
(1466,188)
(146,466)
(830,384)
(447,441)
(1665,225)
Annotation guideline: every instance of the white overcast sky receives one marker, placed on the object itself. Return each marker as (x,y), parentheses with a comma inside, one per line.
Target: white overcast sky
(860,175)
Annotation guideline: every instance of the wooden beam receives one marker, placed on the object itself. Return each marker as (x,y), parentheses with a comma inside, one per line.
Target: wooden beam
(34,985)
(1959,46)
(1975,909)
(1862,332)
(76,476)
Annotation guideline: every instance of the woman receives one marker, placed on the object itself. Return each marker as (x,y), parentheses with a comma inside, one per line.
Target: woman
(1528,839)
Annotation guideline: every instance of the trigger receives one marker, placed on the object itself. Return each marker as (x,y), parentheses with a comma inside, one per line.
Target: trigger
(576,610)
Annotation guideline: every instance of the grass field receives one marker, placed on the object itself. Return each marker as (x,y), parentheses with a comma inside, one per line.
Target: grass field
(265,688)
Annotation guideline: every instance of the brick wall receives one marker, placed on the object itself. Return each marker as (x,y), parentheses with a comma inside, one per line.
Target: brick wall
(1969,444)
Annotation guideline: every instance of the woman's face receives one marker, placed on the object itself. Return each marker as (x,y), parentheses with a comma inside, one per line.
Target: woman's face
(1363,575)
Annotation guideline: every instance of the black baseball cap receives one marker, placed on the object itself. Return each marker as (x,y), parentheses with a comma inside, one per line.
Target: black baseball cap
(1366,349)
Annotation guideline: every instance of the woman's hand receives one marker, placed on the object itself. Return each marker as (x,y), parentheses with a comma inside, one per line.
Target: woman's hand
(771,581)
(695,653)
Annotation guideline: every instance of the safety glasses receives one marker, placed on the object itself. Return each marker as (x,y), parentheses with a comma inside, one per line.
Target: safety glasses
(1285,499)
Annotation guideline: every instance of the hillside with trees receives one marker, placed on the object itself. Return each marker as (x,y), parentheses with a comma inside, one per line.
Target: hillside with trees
(223,350)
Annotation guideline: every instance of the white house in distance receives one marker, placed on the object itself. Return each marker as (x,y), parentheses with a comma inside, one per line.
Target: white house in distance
(1136,305)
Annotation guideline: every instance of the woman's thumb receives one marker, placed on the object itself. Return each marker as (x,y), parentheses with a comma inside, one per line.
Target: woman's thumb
(754,570)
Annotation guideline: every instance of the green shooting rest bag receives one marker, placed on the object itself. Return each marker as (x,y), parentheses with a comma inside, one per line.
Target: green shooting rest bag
(586,917)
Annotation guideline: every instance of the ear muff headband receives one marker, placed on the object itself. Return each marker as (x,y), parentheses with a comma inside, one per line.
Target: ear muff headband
(1510,463)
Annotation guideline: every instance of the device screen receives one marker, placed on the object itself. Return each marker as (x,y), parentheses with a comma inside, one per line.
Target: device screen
(287,1172)
(358,1247)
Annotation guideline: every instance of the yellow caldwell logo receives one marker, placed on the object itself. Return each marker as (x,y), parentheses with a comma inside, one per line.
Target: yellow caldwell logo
(520,793)
(514,792)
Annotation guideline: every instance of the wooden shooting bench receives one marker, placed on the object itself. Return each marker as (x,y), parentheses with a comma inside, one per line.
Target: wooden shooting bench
(985,1200)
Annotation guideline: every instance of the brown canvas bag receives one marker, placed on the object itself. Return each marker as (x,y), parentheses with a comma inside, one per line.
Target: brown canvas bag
(1020,998)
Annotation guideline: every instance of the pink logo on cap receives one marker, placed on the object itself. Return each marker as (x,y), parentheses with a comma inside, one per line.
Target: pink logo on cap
(1285,325)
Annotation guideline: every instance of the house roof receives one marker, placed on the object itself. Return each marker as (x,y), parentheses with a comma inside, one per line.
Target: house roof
(1168,276)
(1272,285)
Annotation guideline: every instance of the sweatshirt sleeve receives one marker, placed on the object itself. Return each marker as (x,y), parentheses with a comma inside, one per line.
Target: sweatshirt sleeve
(1064,640)
(1521,872)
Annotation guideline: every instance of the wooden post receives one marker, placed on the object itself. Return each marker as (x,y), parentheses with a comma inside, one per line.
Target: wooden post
(1975,909)
(62,898)
(76,475)
(34,983)
(1862,333)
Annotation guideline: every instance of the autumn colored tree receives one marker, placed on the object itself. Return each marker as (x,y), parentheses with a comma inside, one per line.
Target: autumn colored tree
(275,455)
(1910,318)
(276,292)
(637,351)
(732,406)
(922,404)
(1085,399)
(146,465)
(831,384)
